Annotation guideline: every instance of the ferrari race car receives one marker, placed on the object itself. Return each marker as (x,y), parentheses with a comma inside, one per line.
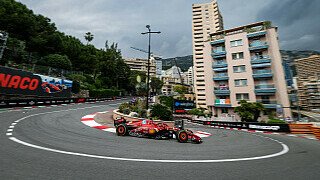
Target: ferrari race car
(150,129)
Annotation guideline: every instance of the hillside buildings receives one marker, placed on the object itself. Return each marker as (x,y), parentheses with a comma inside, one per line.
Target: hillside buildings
(244,63)
(173,77)
(206,19)
(188,76)
(142,65)
(308,82)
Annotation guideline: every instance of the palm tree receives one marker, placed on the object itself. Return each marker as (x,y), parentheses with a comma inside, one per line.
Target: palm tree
(88,37)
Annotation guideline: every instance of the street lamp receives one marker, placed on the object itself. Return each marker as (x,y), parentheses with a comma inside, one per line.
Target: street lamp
(149,32)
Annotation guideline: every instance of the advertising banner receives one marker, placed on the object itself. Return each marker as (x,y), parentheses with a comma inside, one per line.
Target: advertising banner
(19,82)
(182,106)
(248,125)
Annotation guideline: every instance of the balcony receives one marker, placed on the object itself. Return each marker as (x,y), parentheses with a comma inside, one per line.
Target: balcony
(265,89)
(222,103)
(263,65)
(220,64)
(217,41)
(218,53)
(221,77)
(221,91)
(260,59)
(268,104)
(258,45)
(263,73)
(220,69)
(256,34)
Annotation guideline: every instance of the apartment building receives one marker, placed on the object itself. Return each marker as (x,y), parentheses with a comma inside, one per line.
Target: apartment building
(245,63)
(206,19)
(168,83)
(308,82)
(142,65)
(188,76)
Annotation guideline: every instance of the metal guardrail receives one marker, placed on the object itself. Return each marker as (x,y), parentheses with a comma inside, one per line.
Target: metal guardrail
(48,101)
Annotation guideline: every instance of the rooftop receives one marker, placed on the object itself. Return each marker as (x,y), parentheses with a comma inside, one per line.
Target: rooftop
(254,27)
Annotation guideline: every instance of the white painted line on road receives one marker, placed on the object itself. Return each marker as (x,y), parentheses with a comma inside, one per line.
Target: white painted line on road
(11,127)
(113,130)
(259,131)
(9,130)
(311,138)
(284,150)
(9,134)
(90,116)
(292,135)
(13,124)
(91,123)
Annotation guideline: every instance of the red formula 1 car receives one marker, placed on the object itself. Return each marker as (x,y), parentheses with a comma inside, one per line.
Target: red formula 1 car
(148,128)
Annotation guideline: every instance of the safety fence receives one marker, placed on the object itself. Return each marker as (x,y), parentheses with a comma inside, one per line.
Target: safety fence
(301,128)
(48,101)
(316,131)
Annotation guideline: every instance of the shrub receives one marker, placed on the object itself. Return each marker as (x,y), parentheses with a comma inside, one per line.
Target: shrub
(161,111)
(167,101)
(126,111)
(123,106)
(197,112)
(276,121)
(142,113)
(103,93)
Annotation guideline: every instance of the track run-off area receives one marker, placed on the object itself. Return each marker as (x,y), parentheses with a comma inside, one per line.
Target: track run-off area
(52,143)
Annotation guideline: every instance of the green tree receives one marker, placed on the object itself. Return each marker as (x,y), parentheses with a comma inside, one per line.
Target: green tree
(88,37)
(156,85)
(181,90)
(197,112)
(161,111)
(132,81)
(167,101)
(57,61)
(249,112)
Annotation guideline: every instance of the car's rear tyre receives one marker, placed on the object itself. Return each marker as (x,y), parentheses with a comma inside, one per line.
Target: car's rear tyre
(122,130)
(182,136)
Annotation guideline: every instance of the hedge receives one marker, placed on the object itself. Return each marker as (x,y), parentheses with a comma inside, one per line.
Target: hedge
(104,93)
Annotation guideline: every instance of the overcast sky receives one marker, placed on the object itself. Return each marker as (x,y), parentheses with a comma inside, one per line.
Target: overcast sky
(122,21)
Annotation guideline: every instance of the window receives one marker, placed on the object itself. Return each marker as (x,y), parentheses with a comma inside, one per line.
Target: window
(242,96)
(238,55)
(236,43)
(220,49)
(240,82)
(239,69)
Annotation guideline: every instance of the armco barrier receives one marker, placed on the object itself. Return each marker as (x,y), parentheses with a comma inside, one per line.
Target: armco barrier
(316,131)
(247,125)
(300,128)
(47,101)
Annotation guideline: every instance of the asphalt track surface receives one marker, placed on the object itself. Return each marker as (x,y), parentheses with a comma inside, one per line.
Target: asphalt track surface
(95,154)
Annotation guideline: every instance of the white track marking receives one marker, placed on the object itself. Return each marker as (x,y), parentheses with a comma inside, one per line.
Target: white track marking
(91,123)
(285,149)
(113,130)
